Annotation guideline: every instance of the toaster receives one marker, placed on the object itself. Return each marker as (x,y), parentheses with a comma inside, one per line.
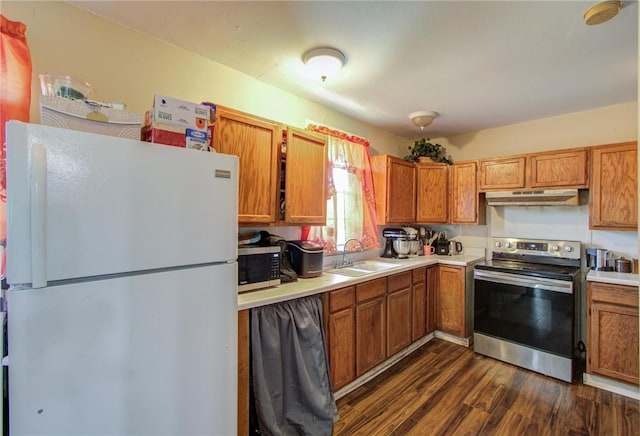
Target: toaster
(306,258)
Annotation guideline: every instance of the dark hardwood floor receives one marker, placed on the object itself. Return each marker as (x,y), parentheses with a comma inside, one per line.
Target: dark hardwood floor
(446,389)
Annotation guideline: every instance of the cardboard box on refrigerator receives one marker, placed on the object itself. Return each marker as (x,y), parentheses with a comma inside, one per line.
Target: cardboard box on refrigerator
(176,136)
(175,112)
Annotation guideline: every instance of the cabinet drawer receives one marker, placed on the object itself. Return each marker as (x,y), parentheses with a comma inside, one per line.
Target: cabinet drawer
(419,274)
(615,294)
(341,299)
(372,289)
(399,281)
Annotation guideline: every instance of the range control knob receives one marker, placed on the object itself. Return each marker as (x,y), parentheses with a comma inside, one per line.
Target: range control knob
(508,244)
(555,248)
(498,244)
(568,248)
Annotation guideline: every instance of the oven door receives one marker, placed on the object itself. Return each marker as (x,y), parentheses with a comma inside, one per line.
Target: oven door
(530,311)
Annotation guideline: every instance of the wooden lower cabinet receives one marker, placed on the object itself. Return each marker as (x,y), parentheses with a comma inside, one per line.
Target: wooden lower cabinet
(399,311)
(450,300)
(431,309)
(371,326)
(342,336)
(243,372)
(612,331)
(418,304)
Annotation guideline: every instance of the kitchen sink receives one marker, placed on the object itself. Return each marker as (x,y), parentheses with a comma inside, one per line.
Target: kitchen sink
(363,268)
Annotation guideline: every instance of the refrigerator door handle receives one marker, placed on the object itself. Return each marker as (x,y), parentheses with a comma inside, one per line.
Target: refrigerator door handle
(38,182)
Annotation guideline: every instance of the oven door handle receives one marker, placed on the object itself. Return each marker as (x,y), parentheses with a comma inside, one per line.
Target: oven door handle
(529,282)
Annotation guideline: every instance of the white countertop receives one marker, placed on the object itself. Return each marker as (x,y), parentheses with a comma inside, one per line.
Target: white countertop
(328,281)
(615,278)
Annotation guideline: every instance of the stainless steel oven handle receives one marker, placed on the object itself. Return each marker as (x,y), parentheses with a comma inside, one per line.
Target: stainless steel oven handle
(529,282)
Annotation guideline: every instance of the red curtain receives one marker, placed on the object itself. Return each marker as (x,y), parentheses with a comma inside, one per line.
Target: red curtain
(15,98)
(351,209)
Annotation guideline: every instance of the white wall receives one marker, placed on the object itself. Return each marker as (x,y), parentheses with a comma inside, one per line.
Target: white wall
(127,66)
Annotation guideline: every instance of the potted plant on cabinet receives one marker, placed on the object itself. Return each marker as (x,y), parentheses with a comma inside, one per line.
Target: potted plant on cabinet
(423,150)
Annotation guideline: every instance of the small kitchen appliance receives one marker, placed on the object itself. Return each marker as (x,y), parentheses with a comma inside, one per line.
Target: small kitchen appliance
(391,234)
(599,259)
(442,245)
(258,267)
(527,305)
(306,258)
(455,247)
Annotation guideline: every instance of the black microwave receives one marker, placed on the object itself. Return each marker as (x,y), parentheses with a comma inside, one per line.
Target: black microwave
(258,267)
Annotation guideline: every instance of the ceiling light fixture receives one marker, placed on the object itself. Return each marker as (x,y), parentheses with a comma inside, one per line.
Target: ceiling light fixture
(423,118)
(602,12)
(323,62)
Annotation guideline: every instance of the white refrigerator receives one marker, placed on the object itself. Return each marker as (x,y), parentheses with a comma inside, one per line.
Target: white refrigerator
(122,307)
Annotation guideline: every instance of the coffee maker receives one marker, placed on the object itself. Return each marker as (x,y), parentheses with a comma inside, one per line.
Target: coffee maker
(599,259)
(392,234)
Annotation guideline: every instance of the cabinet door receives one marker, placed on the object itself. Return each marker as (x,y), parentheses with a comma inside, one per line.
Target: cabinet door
(394,183)
(341,336)
(305,178)
(431,193)
(567,169)
(370,334)
(612,331)
(342,342)
(451,300)
(256,142)
(502,173)
(431,309)
(613,202)
(398,320)
(465,205)
(418,304)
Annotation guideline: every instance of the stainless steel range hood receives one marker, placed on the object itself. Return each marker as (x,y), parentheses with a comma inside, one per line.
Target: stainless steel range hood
(546,197)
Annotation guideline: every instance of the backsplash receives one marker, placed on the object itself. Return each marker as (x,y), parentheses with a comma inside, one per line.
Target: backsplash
(562,223)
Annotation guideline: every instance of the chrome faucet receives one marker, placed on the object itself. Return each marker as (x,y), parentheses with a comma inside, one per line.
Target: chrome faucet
(344,252)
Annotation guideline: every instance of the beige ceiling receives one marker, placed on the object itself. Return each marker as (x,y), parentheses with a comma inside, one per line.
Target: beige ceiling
(480,64)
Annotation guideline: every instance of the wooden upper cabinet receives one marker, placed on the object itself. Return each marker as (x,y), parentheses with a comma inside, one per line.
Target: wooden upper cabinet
(432,182)
(502,173)
(564,169)
(612,331)
(305,178)
(394,184)
(256,142)
(466,207)
(613,197)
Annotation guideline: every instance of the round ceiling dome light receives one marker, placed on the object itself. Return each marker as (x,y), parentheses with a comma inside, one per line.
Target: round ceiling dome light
(602,12)
(423,118)
(323,62)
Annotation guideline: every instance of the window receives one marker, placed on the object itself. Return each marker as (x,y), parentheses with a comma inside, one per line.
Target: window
(351,203)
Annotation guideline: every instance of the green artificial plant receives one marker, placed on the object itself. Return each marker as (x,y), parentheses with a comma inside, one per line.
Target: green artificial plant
(423,148)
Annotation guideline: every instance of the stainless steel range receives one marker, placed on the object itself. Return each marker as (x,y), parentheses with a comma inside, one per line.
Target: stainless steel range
(527,304)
